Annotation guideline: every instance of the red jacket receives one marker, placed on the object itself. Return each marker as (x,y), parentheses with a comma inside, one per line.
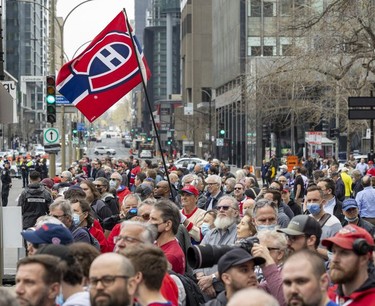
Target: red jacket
(121,194)
(114,232)
(104,248)
(363,296)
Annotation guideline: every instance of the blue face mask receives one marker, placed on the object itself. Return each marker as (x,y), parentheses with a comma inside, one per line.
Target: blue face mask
(59,300)
(314,208)
(205,228)
(76,219)
(269,227)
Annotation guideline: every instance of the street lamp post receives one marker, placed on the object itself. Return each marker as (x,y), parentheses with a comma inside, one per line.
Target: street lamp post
(61,28)
(53,66)
(209,119)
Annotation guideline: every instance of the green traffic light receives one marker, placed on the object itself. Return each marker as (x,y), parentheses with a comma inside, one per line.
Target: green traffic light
(222,132)
(74,131)
(51,99)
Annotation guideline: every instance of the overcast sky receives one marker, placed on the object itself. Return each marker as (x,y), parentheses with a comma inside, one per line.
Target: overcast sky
(88,20)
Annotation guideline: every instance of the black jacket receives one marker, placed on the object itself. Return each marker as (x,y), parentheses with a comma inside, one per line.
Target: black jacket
(34,202)
(214,203)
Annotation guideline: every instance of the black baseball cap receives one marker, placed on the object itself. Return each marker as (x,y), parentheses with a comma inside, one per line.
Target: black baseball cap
(236,257)
(302,225)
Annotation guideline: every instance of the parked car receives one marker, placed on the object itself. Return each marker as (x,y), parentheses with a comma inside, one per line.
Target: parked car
(104,150)
(190,162)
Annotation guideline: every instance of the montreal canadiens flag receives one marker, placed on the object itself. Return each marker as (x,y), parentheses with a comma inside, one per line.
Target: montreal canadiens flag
(105,71)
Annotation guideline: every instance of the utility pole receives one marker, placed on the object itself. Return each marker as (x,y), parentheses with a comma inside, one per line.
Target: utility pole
(52,70)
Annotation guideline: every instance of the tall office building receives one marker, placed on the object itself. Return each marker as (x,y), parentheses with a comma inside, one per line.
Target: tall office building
(26,41)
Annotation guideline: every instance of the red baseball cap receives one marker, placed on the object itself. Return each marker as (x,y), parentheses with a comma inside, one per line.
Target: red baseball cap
(346,237)
(190,189)
(370,162)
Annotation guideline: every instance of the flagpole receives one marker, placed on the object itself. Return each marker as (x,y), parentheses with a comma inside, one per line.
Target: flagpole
(150,109)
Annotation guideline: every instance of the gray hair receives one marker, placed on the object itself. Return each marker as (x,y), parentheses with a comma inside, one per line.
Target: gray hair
(234,202)
(190,177)
(262,203)
(117,175)
(66,174)
(47,219)
(149,231)
(64,205)
(132,195)
(277,237)
(7,298)
(214,177)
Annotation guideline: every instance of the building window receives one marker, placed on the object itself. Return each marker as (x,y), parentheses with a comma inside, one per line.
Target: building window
(256,51)
(268,9)
(255,8)
(267,50)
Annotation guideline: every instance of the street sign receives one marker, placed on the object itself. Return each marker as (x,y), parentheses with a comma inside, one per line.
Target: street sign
(81,127)
(61,100)
(314,137)
(50,136)
(360,114)
(361,101)
(220,142)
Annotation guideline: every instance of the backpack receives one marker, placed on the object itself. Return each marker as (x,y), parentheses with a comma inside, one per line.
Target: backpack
(194,296)
(96,207)
(93,241)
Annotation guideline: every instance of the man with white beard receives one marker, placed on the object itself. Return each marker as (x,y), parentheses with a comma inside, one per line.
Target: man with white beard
(224,233)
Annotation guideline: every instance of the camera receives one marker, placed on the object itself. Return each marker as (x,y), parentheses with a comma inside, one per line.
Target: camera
(204,256)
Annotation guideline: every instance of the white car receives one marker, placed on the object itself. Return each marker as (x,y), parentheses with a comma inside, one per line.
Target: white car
(104,150)
(190,162)
(145,154)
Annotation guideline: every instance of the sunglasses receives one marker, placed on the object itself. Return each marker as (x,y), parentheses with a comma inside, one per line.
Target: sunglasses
(238,188)
(224,207)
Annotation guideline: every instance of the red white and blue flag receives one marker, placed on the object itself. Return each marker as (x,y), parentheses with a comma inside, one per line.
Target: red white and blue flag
(105,71)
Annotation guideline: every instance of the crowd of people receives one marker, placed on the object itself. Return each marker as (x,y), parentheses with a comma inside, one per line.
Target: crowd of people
(121,232)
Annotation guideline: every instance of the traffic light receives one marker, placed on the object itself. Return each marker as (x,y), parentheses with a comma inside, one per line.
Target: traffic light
(334,133)
(169,141)
(51,99)
(265,132)
(74,128)
(325,124)
(222,132)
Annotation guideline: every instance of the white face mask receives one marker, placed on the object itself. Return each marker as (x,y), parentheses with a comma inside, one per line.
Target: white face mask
(112,184)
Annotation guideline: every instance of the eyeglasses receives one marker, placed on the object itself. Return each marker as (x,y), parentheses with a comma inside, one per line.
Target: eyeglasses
(113,179)
(211,184)
(99,186)
(126,239)
(106,280)
(58,217)
(224,207)
(238,188)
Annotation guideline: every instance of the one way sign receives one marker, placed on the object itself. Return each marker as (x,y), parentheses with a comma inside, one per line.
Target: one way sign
(50,136)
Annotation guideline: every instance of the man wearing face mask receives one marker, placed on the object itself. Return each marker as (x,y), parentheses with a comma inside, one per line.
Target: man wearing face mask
(315,206)
(265,215)
(351,213)
(62,210)
(115,183)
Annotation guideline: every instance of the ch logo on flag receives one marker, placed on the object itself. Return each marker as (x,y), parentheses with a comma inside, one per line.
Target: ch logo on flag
(106,71)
